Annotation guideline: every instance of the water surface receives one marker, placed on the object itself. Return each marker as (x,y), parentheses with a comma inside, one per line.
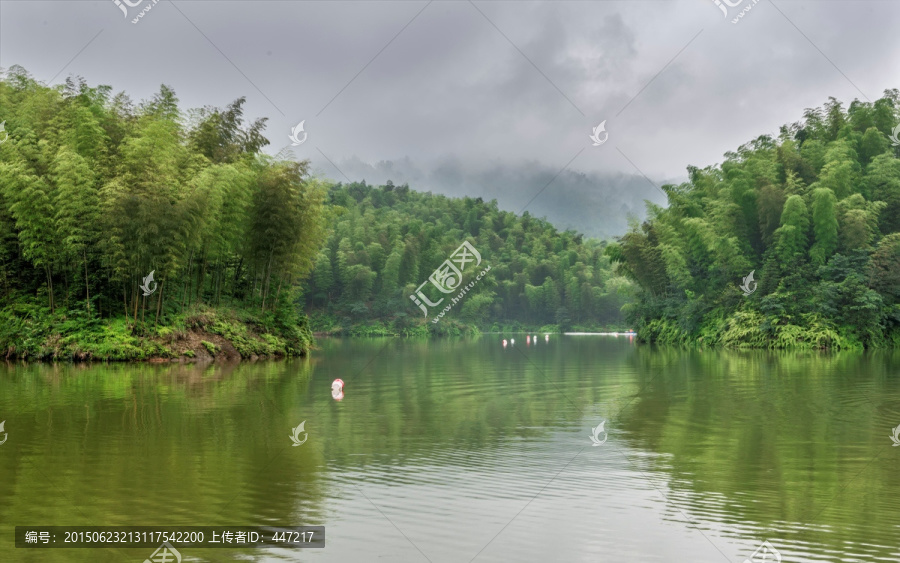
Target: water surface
(460,450)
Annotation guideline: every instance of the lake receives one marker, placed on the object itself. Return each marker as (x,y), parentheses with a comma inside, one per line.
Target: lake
(459,450)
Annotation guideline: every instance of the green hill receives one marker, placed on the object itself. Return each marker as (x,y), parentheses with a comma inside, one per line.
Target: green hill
(385,241)
(814,213)
(133,231)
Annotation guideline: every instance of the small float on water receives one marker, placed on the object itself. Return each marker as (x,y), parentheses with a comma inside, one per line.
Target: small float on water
(504,343)
(337,389)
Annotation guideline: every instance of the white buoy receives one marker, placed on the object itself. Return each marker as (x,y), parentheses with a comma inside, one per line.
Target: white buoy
(547,337)
(337,385)
(504,343)
(512,340)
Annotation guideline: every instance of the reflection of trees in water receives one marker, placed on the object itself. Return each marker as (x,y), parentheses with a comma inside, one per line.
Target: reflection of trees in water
(143,444)
(742,438)
(772,437)
(470,395)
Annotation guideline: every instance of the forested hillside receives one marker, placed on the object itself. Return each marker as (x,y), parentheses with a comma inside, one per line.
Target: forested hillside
(385,241)
(97,192)
(814,212)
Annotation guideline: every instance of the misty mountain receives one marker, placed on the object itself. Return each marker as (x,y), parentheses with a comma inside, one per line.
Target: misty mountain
(595,204)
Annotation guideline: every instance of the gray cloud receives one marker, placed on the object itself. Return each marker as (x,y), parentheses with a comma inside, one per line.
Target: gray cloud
(597,204)
(451,88)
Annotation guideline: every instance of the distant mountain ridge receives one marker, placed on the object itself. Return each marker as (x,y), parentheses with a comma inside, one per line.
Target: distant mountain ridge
(596,204)
(385,242)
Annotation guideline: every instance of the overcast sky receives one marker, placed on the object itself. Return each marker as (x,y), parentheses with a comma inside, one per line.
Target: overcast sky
(491,99)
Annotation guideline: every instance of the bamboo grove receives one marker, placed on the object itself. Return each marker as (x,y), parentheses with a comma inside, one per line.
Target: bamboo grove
(96,192)
(813,212)
(386,240)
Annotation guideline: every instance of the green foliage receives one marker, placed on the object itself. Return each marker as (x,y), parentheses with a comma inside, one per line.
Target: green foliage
(31,331)
(825,225)
(385,242)
(814,213)
(96,193)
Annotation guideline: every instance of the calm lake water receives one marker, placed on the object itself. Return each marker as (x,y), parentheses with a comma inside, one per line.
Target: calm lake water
(461,450)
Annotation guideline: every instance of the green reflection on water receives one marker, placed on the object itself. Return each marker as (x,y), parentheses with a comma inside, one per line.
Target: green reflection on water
(754,444)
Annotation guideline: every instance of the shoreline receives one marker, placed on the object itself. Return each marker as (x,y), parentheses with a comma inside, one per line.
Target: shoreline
(201,334)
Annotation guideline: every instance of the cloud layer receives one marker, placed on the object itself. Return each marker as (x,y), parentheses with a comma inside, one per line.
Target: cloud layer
(489,99)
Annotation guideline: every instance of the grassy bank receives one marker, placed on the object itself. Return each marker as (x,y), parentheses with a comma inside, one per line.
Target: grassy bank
(752,329)
(31,332)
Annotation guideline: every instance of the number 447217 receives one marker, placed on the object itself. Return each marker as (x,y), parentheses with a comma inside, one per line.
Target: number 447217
(292,537)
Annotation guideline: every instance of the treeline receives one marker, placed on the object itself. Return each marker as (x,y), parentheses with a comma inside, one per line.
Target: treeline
(96,192)
(387,240)
(814,212)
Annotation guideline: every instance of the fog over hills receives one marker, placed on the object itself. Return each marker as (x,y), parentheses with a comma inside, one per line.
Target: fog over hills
(489,99)
(595,203)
